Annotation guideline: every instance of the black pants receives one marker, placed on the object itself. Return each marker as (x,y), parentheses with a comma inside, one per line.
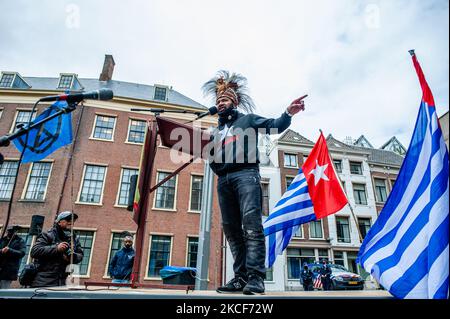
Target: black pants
(240,200)
(326,282)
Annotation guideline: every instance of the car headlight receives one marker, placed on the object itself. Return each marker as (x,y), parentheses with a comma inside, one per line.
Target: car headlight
(338,278)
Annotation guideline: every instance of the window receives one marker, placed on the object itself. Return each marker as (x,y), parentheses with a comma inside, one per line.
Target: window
(160,93)
(125,183)
(265,198)
(1,113)
(196,193)
(65,82)
(315,229)
(136,131)
(392,183)
(351,261)
(192,252)
(116,245)
(159,254)
(359,191)
(92,189)
(165,194)
(23,233)
(7,80)
(289,180)
(299,232)
(364,226)
(323,254)
(356,168)
(8,172)
(343,229)
(23,117)
(338,165)
(104,127)
(38,181)
(339,258)
(86,239)
(290,160)
(380,190)
(296,257)
(269,274)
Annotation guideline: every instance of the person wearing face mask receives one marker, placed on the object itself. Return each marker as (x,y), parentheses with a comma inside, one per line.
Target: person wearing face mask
(234,158)
(54,250)
(121,264)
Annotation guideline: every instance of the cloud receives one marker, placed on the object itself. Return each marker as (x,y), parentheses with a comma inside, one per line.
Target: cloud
(349,56)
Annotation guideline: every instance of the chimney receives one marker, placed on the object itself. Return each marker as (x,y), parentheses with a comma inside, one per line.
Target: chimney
(108,68)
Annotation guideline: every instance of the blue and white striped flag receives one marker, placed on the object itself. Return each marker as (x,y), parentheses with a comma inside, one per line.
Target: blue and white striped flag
(293,209)
(407,248)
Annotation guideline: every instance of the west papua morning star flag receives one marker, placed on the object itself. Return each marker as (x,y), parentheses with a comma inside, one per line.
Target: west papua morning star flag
(406,249)
(315,193)
(48,137)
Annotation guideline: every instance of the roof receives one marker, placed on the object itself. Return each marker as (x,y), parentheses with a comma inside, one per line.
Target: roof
(394,141)
(383,156)
(363,142)
(336,145)
(290,136)
(120,89)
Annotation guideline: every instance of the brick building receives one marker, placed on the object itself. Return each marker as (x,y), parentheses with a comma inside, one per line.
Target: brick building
(91,176)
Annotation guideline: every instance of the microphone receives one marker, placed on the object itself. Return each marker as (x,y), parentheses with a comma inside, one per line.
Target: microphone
(102,94)
(211,111)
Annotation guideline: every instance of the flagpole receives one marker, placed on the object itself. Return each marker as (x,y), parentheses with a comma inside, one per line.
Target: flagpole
(348,202)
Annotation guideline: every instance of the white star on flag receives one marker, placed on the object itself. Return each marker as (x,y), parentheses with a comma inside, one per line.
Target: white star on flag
(319,173)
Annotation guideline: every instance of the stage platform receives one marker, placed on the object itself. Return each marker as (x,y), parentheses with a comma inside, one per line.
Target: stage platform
(129,293)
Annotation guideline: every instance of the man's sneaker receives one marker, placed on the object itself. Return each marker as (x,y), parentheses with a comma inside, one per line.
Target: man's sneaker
(255,285)
(236,284)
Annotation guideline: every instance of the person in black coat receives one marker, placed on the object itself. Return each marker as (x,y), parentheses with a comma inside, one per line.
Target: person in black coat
(12,250)
(53,252)
(307,278)
(325,275)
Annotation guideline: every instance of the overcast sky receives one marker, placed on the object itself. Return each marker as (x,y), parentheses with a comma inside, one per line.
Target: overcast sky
(350,56)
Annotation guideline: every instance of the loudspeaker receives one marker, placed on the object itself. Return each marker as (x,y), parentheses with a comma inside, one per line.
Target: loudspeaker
(133,183)
(37,222)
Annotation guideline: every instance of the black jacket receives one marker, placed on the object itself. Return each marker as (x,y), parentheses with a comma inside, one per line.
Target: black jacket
(235,141)
(306,275)
(10,262)
(325,271)
(52,265)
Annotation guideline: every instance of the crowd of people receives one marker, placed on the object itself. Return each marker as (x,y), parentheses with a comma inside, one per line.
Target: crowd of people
(52,253)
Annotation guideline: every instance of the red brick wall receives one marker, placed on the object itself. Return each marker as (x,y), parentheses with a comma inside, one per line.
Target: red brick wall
(107,217)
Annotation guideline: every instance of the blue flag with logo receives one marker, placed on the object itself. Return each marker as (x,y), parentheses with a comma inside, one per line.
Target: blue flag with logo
(48,137)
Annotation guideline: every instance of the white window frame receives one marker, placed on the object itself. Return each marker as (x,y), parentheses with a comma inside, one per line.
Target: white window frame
(128,130)
(116,203)
(82,181)
(303,233)
(94,230)
(365,191)
(8,159)
(187,248)
(71,82)
(161,87)
(323,233)
(12,82)
(1,112)
(349,230)
(95,123)
(24,191)
(174,209)
(356,162)
(285,181)
(171,235)
(13,125)
(284,160)
(190,193)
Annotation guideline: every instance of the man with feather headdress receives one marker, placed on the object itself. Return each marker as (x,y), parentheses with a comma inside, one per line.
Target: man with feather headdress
(234,158)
